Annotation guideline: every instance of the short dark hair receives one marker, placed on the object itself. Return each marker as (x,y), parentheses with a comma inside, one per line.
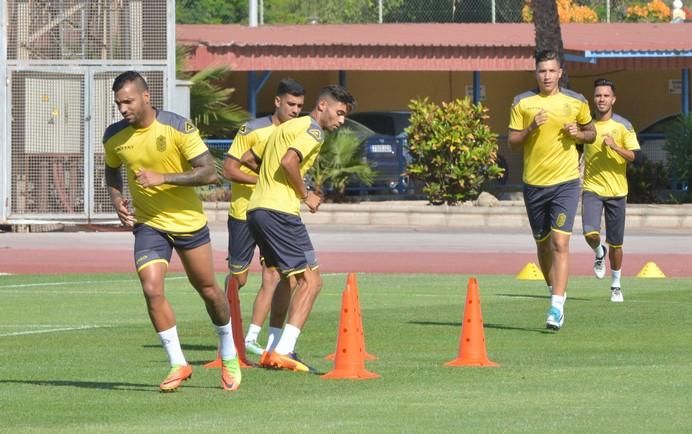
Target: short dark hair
(130,77)
(544,55)
(340,94)
(604,82)
(288,86)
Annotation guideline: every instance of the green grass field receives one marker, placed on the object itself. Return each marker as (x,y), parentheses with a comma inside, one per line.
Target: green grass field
(78,354)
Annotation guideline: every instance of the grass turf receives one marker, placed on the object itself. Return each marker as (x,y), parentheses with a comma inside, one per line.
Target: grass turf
(79,355)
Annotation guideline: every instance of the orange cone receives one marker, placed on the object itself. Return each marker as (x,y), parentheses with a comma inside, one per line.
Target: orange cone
(472,342)
(349,362)
(351,282)
(236,326)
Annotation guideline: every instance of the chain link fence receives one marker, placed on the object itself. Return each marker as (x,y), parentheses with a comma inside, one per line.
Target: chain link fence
(421,11)
(62,57)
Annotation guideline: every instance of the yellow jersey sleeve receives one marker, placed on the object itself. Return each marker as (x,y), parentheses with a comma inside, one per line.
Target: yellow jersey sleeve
(605,171)
(273,190)
(251,133)
(166,146)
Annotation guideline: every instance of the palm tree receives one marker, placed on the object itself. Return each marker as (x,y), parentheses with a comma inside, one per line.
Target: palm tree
(211,109)
(548,34)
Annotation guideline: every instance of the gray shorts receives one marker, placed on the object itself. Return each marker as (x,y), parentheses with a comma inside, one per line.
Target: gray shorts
(593,206)
(551,208)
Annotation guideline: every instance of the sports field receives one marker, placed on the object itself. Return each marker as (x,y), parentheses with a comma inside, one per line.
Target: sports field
(79,355)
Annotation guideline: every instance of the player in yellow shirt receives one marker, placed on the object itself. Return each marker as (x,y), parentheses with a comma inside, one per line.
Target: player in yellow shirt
(288,102)
(165,158)
(605,183)
(274,211)
(546,123)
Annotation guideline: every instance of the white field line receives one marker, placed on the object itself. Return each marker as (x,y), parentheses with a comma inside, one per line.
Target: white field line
(72,283)
(52,330)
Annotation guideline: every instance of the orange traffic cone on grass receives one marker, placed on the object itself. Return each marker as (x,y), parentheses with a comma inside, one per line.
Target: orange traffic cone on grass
(349,359)
(236,326)
(472,342)
(353,285)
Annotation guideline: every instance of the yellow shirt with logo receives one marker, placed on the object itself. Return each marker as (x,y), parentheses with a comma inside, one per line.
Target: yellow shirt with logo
(550,155)
(165,146)
(273,190)
(605,171)
(251,133)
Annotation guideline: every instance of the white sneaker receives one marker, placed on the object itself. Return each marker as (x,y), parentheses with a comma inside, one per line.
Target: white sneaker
(616,295)
(599,264)
(253,347)
(555,319)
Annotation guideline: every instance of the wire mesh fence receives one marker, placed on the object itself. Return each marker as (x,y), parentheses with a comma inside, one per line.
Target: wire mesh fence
(62,58)
(429,11)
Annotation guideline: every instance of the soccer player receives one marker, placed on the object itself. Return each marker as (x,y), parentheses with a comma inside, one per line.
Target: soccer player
(165,158)
(546,123)
(274,211)
(605,183)
(288,103)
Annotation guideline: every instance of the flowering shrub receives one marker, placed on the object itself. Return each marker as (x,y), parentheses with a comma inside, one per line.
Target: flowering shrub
(653,12)
(568,12)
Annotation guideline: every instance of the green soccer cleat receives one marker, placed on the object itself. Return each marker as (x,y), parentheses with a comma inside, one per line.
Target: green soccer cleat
(253,348)
(230,374)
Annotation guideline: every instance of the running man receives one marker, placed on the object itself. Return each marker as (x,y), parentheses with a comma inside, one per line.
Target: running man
(605,183)
(546,123)
(274,211)
(288,103)
(165,158)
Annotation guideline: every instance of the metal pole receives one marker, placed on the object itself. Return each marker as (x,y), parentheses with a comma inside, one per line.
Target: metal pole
(4,104)
(493,10)
(252,13)
(170,55)
(685,92)
(379,9)
(476,87)
(607,11)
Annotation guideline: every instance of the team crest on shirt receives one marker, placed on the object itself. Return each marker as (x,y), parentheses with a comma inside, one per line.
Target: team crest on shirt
(189,127)
(242,130)
(315,133)
(161,143)
(567,109)
(561,219)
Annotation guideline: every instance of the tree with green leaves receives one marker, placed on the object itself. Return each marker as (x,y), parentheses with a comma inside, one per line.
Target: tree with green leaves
(211,11)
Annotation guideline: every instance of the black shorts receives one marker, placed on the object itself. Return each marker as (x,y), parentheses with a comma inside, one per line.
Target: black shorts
(592,207)
(283,240)
(551,208)
(154,245)
(241,245)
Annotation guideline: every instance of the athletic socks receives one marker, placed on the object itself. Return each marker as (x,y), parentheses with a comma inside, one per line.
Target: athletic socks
(616,278)
(226,344)
(599,251)
(273,338)
(171,343)
(287,343)
(558,301)
(252,333)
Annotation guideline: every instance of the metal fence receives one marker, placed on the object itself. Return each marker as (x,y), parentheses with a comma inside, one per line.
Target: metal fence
(62,57)
(419,11)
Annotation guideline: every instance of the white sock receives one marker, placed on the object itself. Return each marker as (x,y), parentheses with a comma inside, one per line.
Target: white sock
(287,343)
(616,278)
(558,301)
(171,343)
(226,344)
(252,332)
(599,251)
(273,338)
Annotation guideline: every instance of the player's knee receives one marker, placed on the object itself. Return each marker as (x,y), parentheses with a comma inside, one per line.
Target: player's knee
(241,279)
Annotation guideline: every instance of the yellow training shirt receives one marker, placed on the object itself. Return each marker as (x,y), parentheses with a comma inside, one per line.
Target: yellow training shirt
(273,190)
(605,171)
(165,146)
(550,155)
(251,133)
